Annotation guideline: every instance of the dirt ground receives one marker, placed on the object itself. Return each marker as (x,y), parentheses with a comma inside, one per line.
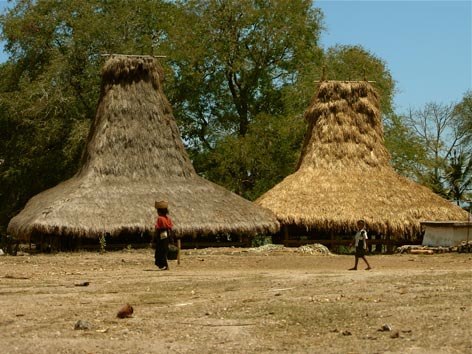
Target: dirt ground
(235,301)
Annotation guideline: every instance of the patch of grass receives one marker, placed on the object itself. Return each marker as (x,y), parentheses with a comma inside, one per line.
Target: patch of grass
(261,240)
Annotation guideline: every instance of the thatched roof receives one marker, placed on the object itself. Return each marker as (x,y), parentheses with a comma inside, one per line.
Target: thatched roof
(344,175)
(134,156)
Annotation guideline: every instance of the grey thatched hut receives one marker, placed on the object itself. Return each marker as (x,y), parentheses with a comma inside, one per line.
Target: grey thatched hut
(134,156)
(344,175)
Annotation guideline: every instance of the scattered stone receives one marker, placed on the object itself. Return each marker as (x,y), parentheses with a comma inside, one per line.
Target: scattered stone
(314,248)
(385,328)
(347,333)
(465,247)
(85,283)
(371,337)
(83,325)
(407,248)
(419,249)
(125,312)
(10,276)
(266,248)
(395,335)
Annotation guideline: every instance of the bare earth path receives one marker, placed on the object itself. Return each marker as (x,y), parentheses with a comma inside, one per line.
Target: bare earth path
(236,301)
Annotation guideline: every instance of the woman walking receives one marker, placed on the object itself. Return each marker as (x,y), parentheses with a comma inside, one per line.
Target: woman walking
(163,229)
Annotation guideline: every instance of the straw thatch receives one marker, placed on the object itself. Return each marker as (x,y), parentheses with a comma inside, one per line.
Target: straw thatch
(135,156)
(344,175)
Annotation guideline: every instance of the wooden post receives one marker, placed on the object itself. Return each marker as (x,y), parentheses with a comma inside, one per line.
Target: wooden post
(178,250)
(285,235)
(378,246)
(389,244)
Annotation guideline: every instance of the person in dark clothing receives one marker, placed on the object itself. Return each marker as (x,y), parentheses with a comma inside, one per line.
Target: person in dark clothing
(360,241)
(163,231)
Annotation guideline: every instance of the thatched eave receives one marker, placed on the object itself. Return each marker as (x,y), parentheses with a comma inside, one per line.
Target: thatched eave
(198,208)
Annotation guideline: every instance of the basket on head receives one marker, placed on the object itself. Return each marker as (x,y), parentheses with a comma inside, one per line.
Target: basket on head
(163,204)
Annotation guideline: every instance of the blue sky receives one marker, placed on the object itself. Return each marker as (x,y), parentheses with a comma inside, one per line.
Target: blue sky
(3,56)
(427,45)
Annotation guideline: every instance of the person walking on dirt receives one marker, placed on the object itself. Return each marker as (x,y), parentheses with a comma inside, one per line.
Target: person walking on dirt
(360,241)
(163,229)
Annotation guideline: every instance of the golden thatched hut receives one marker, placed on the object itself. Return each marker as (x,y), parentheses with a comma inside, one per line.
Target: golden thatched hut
(134,156)
(344,174)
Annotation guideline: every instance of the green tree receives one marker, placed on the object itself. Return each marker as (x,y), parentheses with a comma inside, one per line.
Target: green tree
(440,130)
(50,85)
(459,173)
(345,62)
(235,62)
(240,75)
(232,74)
(407,152)
(458,176)
(463,112)
(247,64)
(252,164)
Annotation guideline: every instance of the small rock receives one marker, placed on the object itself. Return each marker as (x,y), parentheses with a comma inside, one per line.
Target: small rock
(385,328)
(125,311)
(85,283)
(347,333)
(83,325)
(395,335)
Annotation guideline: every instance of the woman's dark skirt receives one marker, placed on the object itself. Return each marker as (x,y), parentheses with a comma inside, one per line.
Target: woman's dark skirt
(162,248)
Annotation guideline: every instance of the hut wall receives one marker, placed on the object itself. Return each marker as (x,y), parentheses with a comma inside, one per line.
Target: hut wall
(446,234)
